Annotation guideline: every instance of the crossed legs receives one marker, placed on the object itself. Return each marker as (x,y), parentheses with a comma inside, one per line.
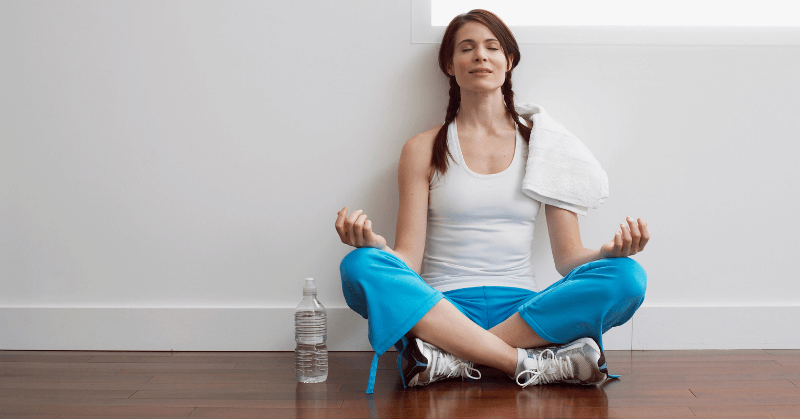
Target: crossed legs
(449,329)
(590,300)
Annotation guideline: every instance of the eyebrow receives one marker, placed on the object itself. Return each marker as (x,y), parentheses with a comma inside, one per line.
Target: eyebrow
(473,41)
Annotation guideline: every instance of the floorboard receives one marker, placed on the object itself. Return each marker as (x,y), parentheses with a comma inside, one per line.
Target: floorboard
(763,384)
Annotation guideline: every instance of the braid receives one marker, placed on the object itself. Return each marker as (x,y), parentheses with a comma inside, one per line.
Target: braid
(508,96)
(440,149)
(455,100)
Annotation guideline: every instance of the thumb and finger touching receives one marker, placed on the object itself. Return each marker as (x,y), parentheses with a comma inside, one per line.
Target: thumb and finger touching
(630,239)
(356,230)
(350,227)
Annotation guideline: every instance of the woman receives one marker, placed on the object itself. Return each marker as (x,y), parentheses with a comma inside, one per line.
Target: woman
(468,228)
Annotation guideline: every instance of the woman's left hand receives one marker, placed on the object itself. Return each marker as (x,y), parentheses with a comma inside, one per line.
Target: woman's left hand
(629,241)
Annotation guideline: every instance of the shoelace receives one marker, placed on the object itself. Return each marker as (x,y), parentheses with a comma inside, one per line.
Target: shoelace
(455,367)
(550,369)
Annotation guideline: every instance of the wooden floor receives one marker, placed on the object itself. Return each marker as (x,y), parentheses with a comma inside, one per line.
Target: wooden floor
(86,384)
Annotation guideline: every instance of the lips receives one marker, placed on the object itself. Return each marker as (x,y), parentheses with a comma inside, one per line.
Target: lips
(481,70)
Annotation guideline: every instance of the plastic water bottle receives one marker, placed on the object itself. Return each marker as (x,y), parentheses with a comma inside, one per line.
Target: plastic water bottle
(310,332)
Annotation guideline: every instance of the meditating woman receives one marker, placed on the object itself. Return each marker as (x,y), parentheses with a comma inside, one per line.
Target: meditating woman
(467,228)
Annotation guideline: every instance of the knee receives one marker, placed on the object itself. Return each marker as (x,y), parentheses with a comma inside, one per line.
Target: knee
(354,272)
(355,262)
(631,278)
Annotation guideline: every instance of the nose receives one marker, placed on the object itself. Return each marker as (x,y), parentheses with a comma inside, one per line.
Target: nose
(480,54)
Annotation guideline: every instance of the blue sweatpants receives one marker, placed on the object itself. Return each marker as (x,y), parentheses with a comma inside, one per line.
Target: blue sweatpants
(590,300)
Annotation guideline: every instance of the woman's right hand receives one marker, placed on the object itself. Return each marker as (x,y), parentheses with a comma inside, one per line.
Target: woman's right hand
(356,230)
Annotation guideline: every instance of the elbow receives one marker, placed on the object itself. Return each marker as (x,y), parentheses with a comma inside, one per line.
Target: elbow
(564,265)
(407,258)
(415,265)
(561,268)
(567,259)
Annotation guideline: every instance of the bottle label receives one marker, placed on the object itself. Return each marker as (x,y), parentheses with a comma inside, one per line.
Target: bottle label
(310,327)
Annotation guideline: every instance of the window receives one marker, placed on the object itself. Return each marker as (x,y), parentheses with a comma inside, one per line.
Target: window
(624,22)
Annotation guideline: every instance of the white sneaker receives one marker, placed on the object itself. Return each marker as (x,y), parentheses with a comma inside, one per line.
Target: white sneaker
(577,362)
(426,364)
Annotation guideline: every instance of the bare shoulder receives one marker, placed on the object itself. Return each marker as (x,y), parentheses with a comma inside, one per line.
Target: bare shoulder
(419,149)
(425,139)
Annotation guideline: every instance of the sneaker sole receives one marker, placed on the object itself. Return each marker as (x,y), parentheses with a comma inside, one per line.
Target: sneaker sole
(416,362)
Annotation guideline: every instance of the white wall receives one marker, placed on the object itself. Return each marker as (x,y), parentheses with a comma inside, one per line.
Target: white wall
(174,155)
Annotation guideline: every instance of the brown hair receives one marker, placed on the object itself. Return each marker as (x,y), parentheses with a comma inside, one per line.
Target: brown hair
(446,50)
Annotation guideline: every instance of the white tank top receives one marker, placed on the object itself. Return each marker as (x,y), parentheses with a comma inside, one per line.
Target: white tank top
(480,227)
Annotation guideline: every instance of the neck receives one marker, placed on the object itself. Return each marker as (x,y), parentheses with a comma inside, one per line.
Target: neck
(484,111)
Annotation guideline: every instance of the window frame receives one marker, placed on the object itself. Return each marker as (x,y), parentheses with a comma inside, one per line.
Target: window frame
(422,32)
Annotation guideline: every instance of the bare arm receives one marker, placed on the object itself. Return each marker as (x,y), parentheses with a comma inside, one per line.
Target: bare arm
(568,251)
(565,240)
(413,179)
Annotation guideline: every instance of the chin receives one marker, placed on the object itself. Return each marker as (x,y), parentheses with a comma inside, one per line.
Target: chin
(483,87)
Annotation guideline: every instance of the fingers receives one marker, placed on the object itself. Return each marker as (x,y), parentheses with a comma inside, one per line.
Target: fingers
(340,228)
(626,239)
(367,229)
(368,234)
(358,230)
(636,234)
(645,234)
(354,230)
(349,226)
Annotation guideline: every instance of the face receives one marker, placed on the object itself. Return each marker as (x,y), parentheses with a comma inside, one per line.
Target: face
(479,62)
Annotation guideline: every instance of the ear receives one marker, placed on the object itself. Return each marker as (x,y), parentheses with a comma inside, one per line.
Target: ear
(510,62)
(450,69)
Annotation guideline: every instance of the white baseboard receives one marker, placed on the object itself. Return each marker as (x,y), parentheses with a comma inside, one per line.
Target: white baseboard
(272,329)
(722,327)
(170,329)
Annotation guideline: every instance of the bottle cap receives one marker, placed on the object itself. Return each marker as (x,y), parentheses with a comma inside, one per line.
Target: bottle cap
(310,287)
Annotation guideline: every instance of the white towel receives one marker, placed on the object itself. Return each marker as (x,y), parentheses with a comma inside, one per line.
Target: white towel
(559,166)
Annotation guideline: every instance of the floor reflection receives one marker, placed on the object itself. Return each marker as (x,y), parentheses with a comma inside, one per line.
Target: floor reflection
(498,398)
(562,402)
(494,396)
(311,396)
